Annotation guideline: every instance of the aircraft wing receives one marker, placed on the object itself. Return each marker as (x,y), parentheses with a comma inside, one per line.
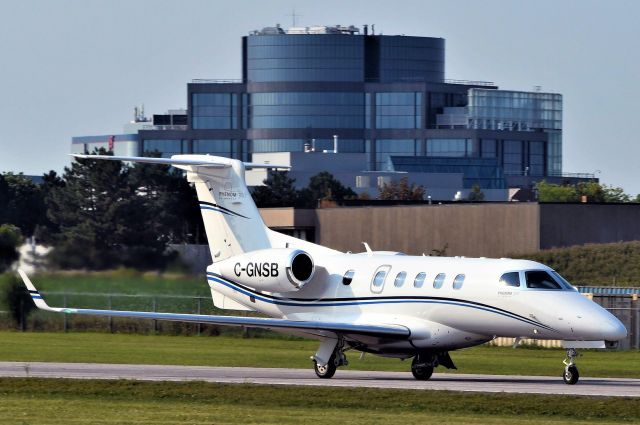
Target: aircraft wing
(314,327)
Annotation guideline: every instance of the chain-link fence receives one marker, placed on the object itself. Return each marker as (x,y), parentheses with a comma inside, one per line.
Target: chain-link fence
(46,321)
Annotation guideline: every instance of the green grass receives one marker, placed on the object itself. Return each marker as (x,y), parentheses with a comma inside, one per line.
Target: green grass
(267,352)
(42,401)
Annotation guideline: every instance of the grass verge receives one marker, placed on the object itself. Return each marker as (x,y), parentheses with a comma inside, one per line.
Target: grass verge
(292,353)
(45,401)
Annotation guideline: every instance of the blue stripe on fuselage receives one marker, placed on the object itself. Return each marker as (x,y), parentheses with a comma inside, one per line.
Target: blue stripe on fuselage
(375,300)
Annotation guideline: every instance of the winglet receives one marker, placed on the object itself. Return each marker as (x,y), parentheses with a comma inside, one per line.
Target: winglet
(35,295)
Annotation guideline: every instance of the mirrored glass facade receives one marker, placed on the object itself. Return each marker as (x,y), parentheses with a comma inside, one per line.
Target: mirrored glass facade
(451,148)
(304,57)
(213,110)
(219,147)
(393,147)
(507,110)
(399,110)
(297,145)
(411,59)
(307,110)
(166,147)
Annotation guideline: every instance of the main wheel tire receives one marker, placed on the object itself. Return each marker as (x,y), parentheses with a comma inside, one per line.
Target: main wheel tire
(422,373)
(570,375)
(327,371)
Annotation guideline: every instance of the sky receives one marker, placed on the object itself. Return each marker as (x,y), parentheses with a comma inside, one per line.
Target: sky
(78,67)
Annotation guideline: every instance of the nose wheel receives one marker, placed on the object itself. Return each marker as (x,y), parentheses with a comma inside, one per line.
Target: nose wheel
(571,374)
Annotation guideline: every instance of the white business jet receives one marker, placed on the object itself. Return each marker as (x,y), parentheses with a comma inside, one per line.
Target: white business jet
(379,302)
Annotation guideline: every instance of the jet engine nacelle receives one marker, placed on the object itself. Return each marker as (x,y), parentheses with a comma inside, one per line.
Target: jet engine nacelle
(271,270)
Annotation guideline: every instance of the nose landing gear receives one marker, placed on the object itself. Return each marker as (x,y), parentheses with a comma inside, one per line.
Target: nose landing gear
(570,375)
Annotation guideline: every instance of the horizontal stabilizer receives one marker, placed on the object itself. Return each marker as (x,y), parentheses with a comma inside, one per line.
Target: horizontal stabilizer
(344,328)
(194,160)
(150,160)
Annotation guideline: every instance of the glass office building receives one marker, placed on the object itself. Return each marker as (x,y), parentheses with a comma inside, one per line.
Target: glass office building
(384,96)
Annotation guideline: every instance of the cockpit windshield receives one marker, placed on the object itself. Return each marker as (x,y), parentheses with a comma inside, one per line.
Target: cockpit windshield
(541,279)
(563,281)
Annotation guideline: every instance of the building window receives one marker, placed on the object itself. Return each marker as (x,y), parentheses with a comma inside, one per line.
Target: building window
(512,157)
(386,148)
(348,277)
(536,158)
(399,110)
(305,58)
(218,147)
(520,111)
(450,148)
(297,145)
(166,147)
(419,280)
(489,148)
(307,110)
(400,279)
(439,280)
(458,281)
(213,110)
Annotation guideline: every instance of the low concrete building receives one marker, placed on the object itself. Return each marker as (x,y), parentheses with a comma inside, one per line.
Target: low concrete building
(478,230)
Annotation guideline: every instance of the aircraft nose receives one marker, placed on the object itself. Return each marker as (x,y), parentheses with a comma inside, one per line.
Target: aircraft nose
(614,330)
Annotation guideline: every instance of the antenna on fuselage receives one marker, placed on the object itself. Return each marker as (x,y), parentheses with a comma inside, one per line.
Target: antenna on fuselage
(368,248)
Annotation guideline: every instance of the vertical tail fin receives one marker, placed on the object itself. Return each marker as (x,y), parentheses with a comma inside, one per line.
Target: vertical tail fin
(231,218)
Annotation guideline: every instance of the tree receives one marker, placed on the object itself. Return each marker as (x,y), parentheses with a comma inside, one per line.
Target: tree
(324,186)
(278,191)
(22,202)
(592,190)
(548,192)
(401,191)
(18,301)
(476,194)
(90,211)
(10,240)
(615,194)
(172,201)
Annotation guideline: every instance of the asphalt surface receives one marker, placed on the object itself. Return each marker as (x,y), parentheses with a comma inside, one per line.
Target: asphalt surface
(616,387)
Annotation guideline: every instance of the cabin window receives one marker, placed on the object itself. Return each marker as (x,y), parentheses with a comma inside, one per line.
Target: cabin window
(348,277)
(458,281)
(540,279)
(378,278)
(400,279)
(419,280)
(510,279)
(439,280)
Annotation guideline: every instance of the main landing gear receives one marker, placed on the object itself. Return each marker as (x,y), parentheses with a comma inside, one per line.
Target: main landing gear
(326,370)
(424,363)
(570,375)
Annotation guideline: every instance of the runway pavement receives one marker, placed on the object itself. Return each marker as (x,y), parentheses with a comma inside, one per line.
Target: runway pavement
(616,387)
